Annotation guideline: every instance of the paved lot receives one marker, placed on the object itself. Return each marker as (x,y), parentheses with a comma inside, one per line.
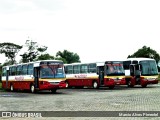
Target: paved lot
(119,99)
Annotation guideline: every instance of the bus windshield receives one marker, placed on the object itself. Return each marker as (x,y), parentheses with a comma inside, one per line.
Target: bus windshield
(114,69)
(52,71)
(148,67)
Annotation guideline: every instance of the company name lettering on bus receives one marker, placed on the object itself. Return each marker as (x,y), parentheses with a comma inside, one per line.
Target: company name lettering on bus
(19,78)
(80,76)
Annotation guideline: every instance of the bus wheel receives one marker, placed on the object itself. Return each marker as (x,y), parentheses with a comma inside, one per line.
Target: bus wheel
(130,84)
(32,88)
(53,90)
(11,88)
(95,85)
(111,87)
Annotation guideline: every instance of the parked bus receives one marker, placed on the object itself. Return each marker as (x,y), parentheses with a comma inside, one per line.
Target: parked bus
(34,76)
(95,74)
(140,71)
(114,70)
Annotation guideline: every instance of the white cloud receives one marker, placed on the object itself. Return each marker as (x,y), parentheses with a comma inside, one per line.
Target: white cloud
(95,29)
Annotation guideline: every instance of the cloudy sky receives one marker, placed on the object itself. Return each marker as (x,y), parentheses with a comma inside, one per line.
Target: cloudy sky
(96,30)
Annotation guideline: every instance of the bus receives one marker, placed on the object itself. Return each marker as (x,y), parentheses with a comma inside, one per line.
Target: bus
(34,76)
(115,71)
(95,74)
(140,71)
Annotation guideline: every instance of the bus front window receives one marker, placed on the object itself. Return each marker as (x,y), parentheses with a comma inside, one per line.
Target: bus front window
(59,71)
(52,71)
(115,69)
(148,68)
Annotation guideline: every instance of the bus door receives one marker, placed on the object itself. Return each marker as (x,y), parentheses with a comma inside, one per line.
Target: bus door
(101,75)
(7,76)
(36,76)
(137,73)
(132,70)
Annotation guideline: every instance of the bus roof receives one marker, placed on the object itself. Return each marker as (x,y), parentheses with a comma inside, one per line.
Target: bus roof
(34,62)
(112,62)
(140,59)
(98,63)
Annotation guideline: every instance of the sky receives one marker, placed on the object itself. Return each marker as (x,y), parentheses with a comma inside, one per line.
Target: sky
(97,30)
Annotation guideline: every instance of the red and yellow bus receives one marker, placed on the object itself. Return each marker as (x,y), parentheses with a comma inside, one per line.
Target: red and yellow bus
(140,71)
(95,74)
(34,76)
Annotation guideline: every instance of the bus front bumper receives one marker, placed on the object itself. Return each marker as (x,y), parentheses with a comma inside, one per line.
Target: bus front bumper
(145,81)
(50,86)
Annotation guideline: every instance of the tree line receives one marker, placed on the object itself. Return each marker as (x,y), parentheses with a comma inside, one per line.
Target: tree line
(147,52)
(36,52)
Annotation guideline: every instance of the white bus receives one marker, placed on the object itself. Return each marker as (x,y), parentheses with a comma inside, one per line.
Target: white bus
(95,74)
(34,76)
(140,71)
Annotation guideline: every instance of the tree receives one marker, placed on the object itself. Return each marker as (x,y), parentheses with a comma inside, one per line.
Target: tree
(33,51)
(146,52)
(10,50)
(67,56)
(45,57)
(62,59)
(7,62)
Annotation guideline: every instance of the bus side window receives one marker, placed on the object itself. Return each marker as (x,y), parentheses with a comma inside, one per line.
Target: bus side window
(14,70)
(19,70)
(69,69)
(30,69)
(4,71)
(76,69)
(84,68)
(92,68)
(24,69)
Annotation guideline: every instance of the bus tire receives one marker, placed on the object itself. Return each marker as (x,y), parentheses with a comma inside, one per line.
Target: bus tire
(95,85)
(53,90)
(32,89)
(11,88)
(130,84)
